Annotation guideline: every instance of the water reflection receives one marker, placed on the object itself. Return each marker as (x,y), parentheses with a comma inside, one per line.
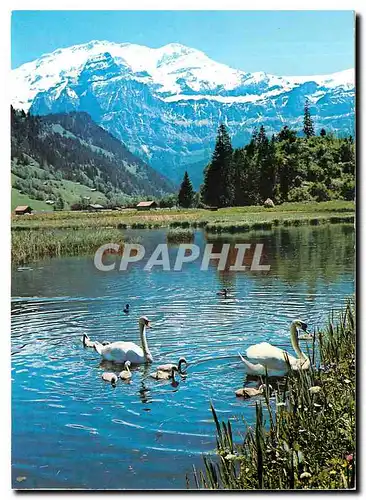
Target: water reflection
(294,254)
(146,433)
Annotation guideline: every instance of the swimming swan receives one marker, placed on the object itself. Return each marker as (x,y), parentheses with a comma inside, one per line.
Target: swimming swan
(126,374)
(119,352)
(169,366)
(161,375)
(87,342)
(110,377)
(266,356)
(249,392)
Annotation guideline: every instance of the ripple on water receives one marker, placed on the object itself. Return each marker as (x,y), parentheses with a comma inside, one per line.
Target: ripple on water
(146,433)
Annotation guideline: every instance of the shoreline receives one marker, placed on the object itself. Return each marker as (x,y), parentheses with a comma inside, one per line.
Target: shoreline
(58,234)
(297,442)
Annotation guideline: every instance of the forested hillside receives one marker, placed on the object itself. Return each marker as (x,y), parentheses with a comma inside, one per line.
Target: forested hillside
(64,148)
(283,167)
(166,103)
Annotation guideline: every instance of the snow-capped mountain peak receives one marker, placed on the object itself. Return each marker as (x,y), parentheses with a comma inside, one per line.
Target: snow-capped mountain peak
(165,103)
(174,70)
(345,79)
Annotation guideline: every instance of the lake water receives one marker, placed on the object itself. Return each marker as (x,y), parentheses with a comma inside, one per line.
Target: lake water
(72,430)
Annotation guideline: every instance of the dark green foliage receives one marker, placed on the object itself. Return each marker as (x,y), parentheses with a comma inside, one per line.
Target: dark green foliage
(283,168)
(266,164)
(320,192)
(304,436)
(308,122)
(291,168)
(77,149)
(180,235)
(181,224)
(80,205)
(59,205)
(168,201)
(323,132)
(186,193)
(218,189)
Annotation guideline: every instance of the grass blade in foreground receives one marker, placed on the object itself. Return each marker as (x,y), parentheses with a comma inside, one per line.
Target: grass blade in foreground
(309,442)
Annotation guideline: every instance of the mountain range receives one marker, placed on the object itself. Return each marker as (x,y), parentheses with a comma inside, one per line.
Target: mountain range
(165,104)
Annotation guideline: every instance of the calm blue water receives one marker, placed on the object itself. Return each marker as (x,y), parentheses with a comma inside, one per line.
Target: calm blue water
(72,430)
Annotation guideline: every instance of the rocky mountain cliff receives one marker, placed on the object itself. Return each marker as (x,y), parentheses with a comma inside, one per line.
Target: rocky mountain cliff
(166,104)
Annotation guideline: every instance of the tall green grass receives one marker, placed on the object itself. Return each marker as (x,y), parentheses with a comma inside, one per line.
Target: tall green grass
(303,438)
(31,245)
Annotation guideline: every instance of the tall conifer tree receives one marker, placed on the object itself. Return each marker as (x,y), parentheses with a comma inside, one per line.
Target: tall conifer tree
(308,121)
(219,176)
(267,169)
(186,193)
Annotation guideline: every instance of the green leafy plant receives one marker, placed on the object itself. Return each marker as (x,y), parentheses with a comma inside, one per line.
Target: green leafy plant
(304,437)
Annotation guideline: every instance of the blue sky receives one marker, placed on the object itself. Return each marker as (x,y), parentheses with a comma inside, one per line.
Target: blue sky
(279,42)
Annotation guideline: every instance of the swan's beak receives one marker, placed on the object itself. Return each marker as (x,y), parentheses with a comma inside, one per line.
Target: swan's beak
(148,324)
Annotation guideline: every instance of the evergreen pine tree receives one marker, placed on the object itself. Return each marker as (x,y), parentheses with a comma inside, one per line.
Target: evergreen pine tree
(246,178)
(308,121)
(60,205)
(267,168)
(186,193)
(219,176)
(323,132)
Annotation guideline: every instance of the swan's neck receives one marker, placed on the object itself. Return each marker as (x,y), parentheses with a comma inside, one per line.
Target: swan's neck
(295,342)
(145,347)
(173,376)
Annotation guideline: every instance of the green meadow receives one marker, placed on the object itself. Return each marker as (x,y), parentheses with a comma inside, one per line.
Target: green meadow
(187,217)
(59,233)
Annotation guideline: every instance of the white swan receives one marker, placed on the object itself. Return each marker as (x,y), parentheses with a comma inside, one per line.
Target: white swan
(110,377)
(265,356)
(126,373)
(119,352)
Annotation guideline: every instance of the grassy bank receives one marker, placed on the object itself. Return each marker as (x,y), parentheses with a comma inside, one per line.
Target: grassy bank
(72,233)
(292,220)
(304,437)
(30,245)
(234,216)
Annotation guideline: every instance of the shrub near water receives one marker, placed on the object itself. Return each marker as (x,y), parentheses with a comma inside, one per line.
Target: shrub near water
(180,236)
(31,245)
(305,439)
